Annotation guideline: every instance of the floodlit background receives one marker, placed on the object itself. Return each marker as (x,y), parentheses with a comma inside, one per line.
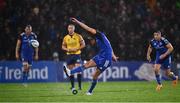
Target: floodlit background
(129,24)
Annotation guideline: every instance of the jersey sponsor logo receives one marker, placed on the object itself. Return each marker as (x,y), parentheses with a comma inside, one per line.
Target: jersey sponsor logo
(106,63)
(78,60)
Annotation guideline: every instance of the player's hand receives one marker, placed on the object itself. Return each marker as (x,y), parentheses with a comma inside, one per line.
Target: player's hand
(36,57)
(115,58)
(73,50)
(149,58)
(74,20)
(162,56)
(17,56)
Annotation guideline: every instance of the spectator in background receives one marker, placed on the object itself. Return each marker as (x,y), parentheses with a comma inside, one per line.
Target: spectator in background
(55,56)
(122,18)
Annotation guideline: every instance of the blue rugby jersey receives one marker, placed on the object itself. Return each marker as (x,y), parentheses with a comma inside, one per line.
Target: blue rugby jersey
(159,46)
(25,42)
(104,45)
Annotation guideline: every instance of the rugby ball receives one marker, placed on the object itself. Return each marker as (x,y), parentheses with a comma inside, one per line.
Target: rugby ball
(74,91)
(34,43)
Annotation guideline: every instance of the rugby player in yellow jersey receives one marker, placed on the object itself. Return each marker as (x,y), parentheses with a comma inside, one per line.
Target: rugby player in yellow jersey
(73,43)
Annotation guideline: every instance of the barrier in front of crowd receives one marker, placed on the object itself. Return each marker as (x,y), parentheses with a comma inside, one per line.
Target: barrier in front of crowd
(50,71)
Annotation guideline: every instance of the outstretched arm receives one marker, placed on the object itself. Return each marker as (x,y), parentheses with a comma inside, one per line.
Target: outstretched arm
(149,53)
(92,31)
(84,26)
(18,44)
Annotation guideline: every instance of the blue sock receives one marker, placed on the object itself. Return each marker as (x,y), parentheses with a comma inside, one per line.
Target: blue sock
(77,69)
(158,79)
(25,76)
(72,81)
(94,82)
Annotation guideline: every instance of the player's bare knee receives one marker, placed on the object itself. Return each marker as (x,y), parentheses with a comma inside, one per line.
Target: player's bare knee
(95,77)
(70,66)
(156,70)
(86,65)
(29,67)
(168,73)
(25,67)
(79,73)
(78,64)
(72,75)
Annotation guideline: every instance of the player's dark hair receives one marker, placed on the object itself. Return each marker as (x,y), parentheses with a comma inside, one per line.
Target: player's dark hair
(158,32)
(28,26)
(71,25)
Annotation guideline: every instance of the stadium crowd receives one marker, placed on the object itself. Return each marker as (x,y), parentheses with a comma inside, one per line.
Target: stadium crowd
(129,25)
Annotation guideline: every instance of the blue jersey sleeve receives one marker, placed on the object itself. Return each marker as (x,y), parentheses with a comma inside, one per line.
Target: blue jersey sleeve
(151,43)
(165,41)
(99,35)
(20,36)
(34,36)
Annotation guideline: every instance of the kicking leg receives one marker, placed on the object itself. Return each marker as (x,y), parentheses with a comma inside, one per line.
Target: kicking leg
(87,65)
(172,76)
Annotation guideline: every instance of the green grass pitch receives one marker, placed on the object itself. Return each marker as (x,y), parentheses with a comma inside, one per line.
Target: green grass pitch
(104,92)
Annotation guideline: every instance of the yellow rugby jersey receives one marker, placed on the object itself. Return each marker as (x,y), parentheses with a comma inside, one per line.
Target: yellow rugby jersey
(73,42)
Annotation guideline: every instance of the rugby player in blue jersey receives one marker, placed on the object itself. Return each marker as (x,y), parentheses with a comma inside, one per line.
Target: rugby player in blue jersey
(25,52)
(102,60)
(163,50)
